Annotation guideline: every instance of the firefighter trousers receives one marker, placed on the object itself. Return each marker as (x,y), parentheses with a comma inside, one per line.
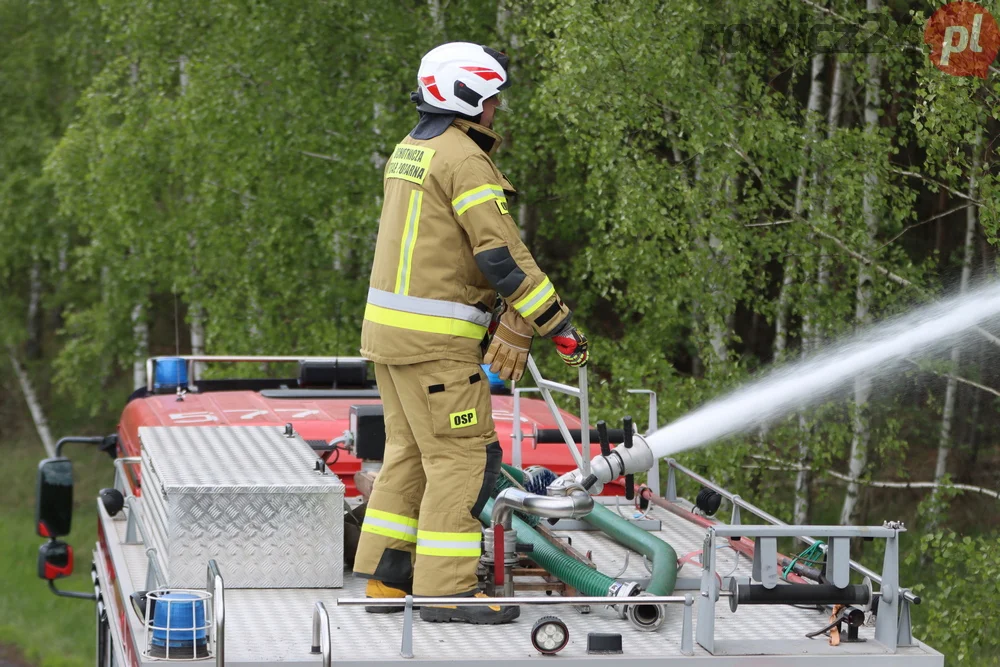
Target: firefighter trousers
(441,461)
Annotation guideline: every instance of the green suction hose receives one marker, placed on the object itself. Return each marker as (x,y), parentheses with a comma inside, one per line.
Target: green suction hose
(662,555)
(549,557)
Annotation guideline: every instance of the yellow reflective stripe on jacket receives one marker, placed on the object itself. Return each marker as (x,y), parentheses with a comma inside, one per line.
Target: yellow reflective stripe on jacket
(433,543)
(423,306)
(409,240)
(425,323)
(391,525)
(534,299)
(480,195)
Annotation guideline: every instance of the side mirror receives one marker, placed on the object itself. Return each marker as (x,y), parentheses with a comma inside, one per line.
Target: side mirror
(55,560)
(54,497)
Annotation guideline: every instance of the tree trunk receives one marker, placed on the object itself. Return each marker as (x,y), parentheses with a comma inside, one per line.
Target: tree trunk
(812,336)
(56,312)
(33,348)
(34,406)
(862,315)
(951,389)
(437,18)
(813,106)
(140,334)
(195,312)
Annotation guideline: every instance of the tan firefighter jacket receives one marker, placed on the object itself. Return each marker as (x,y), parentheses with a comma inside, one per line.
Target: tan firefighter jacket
(446,245)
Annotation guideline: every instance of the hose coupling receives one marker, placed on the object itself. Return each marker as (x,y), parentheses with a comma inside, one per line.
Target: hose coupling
(623,589)
(509,547)
(646,617)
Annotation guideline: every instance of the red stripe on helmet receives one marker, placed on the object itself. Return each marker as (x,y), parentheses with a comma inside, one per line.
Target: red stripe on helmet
(431,86)
(484,73)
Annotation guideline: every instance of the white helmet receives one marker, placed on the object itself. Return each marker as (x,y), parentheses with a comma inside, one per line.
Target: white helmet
(457,77)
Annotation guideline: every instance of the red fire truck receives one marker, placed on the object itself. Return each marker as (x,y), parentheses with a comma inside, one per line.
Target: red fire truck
(228,536)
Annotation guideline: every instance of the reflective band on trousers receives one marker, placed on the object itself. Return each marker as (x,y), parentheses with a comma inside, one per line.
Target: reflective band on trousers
(409,240)
(432,543)
(534,299)
(480,195)
(391,525)
(427,315)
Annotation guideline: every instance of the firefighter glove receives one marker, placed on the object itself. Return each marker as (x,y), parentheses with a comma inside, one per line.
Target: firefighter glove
(571,345)
(508,351)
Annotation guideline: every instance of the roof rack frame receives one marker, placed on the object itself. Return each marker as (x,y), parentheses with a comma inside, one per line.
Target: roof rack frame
(193,359)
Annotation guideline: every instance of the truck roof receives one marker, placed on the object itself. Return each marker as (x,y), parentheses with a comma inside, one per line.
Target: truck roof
(321,418)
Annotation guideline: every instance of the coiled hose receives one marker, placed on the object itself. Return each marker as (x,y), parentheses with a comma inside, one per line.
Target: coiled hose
(550,558)
(581,577)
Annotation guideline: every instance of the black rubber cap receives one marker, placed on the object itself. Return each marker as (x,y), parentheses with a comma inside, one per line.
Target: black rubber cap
(604,643)
(112,499)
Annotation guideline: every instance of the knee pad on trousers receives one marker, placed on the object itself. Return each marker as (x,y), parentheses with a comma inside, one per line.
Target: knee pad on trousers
(494,455)
(394,567)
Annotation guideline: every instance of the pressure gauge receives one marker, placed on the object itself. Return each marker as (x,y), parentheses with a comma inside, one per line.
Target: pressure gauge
(549,635)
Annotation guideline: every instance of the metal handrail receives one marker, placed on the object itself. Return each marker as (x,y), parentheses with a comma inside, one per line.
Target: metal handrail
(83,440)
(653,474)
(209,358)
(737,501)
(546,600)
(546,387)
(216,584)
(321,640)
(120,473)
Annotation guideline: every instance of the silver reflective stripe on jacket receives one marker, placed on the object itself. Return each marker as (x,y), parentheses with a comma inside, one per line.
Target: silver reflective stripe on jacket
(421,306)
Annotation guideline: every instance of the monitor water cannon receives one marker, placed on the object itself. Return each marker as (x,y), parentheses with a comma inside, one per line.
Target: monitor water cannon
(628,458)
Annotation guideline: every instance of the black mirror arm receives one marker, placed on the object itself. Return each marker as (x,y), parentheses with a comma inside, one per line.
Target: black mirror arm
(71,594)
(83,440)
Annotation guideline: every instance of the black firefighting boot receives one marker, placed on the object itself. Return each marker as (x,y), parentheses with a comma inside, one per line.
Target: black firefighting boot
(378,589)
(477,615)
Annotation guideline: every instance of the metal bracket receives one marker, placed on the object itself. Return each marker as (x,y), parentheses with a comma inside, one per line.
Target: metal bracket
(687,633)
(904,634)
(887,623)
(891,627)
(406,646)
(765,561)
(154,578)
(132,530)
(671,494)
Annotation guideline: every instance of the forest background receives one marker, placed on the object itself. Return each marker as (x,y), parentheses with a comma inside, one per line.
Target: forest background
(713,187)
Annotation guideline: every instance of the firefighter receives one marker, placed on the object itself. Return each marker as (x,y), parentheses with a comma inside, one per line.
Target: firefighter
(447,245)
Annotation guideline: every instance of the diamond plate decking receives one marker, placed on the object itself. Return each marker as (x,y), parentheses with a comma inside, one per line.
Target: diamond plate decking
(274,626)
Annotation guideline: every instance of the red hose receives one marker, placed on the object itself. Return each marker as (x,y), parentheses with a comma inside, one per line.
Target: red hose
(744,545)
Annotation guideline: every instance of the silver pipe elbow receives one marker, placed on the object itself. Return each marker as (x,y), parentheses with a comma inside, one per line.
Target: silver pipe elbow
(576,503)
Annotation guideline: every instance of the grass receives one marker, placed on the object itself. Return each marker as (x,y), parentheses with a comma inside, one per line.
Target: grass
(51,631)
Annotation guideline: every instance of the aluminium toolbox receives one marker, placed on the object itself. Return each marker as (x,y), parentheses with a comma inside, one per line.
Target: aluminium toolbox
(248,496)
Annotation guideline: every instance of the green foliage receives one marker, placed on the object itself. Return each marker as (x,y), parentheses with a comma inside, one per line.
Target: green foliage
(171,162)
(52,631)
(959,594)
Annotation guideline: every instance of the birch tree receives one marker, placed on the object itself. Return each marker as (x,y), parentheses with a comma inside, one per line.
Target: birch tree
(968,250)
(858,457)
